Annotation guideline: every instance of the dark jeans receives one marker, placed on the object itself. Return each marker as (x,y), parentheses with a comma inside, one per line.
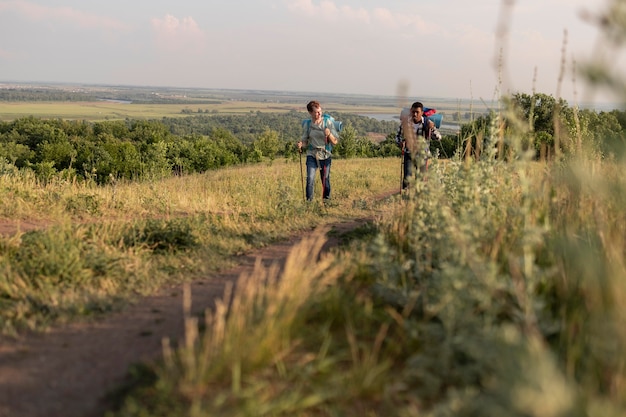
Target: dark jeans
(312,165)
(408,165)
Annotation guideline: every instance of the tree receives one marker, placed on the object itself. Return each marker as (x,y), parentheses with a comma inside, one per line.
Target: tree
(538,110)
(226,140)
(347,147)
(155,164)
(148,131)
(268,144)
(125,159)
(60,153)
(604,132)
(389,147)
(365,148)
(16,153)
(117,128)
(537,118)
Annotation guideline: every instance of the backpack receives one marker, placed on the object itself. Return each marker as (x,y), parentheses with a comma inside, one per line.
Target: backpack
(327,117)
(429,113)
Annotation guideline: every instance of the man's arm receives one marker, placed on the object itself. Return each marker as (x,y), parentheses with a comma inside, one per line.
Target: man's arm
(304,140)
(435,134)
(331,133)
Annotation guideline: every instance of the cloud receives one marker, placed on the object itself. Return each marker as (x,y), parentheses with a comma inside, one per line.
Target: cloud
(66,15)
(6,55)
(173,34)
(381,17)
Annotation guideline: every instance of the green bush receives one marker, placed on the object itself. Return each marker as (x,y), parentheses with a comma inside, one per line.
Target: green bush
(162,236)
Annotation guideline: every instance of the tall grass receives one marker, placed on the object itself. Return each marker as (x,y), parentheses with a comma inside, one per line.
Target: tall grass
(250,189)
(96,247)
(492,289)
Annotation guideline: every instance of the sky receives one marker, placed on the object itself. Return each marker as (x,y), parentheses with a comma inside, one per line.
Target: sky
(415,49)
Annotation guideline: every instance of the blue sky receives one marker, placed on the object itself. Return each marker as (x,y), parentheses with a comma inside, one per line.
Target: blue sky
(418,48)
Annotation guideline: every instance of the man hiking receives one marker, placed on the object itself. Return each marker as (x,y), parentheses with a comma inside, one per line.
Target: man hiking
(319,135)
(413,137)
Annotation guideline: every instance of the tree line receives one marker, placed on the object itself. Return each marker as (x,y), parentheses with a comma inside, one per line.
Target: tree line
(547,126)
(108,151)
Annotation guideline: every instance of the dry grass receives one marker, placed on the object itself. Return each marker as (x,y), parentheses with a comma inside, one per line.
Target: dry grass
(247,189)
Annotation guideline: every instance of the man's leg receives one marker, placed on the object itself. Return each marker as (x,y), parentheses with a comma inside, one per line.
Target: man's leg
(425,161)
(325,174)
(408,170)
(424,164)
(311,169)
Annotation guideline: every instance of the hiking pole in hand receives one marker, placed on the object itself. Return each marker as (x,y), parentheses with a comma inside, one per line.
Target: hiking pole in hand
(301,175)
(402,170)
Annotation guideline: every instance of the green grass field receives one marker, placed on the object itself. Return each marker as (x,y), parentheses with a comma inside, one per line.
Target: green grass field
(106,110)
(264,200)
(490,289)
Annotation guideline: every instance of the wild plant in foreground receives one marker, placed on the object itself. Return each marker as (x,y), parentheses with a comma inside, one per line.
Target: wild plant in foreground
(510,267)
(494,289)
(244,363)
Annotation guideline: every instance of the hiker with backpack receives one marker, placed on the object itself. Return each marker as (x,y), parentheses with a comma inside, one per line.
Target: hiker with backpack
(413,137)
(319,135)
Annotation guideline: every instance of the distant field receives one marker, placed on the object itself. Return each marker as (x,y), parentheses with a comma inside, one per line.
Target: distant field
(109,110)
(95,103)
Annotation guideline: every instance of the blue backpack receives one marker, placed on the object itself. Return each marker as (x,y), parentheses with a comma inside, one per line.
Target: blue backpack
(429,113)
(327,117)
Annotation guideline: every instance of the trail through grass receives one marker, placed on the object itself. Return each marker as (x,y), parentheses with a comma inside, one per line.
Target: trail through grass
(107,245)
(491,289)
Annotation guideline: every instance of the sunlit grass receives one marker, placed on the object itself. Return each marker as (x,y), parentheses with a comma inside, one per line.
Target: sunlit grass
(492,289)
(250,189)
(95,247)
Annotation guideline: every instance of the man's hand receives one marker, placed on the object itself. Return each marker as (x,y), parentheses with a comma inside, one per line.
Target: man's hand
(433,131)
(299,145)
(330,137)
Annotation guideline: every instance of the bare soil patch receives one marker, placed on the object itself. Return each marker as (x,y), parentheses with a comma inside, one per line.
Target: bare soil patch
(9,228)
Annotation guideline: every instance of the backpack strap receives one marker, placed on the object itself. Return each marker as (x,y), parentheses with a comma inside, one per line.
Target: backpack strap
(306,123)
(328,118)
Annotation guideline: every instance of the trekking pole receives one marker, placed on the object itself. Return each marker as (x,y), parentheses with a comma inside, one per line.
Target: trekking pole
(301,176)
(401,170)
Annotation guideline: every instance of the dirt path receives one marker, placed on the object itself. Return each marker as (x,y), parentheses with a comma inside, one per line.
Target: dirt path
(67,371)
